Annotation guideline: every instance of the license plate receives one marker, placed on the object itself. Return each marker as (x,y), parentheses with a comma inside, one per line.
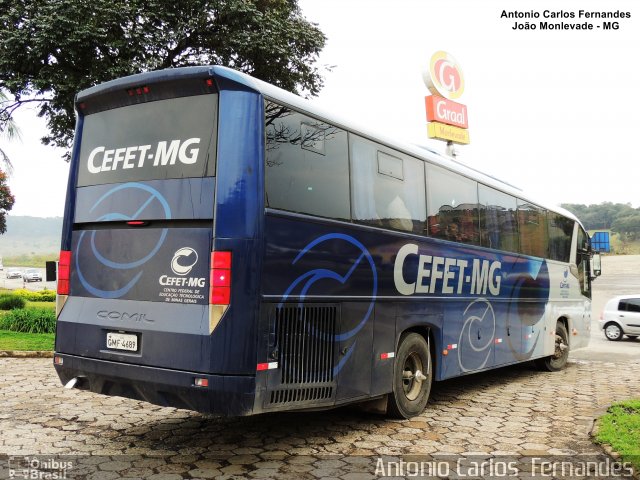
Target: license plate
(122,341)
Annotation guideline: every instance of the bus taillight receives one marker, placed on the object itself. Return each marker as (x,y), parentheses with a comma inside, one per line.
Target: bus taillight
(64,271)
(138,90)
(220,278)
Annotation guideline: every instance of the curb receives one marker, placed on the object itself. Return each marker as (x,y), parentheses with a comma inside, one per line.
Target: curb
(25,354)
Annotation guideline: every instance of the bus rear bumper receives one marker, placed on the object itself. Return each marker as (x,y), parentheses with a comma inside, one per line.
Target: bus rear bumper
(227,395)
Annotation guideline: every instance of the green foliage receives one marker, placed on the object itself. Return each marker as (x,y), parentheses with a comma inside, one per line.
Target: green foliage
(620,428)
(51,49)
(628,225)
(620,245)
(619,217)
(6,198)
(26,341)
(9,302)
(36,296)
(8,130)
(29,320)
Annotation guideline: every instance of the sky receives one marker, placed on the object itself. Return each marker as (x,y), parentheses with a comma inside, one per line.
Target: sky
(552,112)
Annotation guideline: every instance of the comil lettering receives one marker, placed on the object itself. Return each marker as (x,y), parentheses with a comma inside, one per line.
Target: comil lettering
(102,159)
(445,275)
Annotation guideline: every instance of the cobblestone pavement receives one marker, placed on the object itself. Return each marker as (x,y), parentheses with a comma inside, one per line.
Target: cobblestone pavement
(512,411)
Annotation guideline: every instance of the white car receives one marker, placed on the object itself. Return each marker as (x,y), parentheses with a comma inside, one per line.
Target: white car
(621,316)
(32,275)
(14,273)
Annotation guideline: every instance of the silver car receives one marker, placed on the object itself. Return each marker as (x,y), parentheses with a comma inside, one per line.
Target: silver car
(32,275)
(14,273)
(621,316)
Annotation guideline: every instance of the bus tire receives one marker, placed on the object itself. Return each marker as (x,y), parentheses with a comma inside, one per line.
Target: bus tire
(558,360)
(412,377)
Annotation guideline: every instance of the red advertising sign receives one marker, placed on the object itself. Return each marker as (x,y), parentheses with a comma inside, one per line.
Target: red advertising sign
(446,111)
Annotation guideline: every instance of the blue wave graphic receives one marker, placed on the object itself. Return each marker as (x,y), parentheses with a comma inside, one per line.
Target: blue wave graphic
(114,216)
(308,279)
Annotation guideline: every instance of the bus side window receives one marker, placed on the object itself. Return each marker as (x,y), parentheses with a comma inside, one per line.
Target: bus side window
(452,203)
(307,164)
(387,189)
(498,223)
(532,225)
(560,233)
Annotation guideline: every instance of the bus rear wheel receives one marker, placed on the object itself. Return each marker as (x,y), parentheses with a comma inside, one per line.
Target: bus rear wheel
(558,360)
(412,377)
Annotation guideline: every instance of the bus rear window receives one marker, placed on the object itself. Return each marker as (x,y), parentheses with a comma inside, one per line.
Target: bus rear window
(172,138)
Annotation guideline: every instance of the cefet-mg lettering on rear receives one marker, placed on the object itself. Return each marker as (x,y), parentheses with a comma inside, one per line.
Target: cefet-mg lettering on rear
(166,152)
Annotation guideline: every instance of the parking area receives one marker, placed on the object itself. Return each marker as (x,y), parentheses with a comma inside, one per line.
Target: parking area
(514,412)
(13,283)
(620,275)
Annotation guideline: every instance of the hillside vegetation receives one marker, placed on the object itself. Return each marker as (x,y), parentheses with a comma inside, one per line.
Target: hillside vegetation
(620,219)
(30,241)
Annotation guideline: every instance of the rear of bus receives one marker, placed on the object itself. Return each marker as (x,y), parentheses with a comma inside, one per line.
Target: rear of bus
(159,260)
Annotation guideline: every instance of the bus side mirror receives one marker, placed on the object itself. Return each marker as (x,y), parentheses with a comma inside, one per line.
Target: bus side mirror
(51,271)
(596,263)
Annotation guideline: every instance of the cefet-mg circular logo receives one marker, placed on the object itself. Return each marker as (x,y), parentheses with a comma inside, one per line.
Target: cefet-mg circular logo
(183,260)
(444,76)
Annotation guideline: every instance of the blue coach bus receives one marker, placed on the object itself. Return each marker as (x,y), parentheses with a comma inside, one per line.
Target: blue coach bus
(230,248)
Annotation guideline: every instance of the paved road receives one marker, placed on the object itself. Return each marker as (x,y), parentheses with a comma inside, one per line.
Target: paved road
(512,411)
(501,413)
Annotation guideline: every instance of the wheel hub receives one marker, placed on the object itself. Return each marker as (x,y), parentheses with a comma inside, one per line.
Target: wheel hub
(612,331)
(412,376)
(560,347)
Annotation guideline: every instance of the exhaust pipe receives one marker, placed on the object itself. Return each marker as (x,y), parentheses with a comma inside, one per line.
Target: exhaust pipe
(73,382)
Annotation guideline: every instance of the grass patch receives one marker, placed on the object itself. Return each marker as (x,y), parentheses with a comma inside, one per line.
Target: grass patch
(29,320)
(26,341)
(620,428)
(46,305)
(36,316)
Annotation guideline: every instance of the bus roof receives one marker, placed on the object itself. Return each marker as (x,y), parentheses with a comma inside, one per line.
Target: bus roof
(228,75)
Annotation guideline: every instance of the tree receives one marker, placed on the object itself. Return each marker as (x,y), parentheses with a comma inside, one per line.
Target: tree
(628,226)
(6,201)
(8,130)
(51,49)
(601,216)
